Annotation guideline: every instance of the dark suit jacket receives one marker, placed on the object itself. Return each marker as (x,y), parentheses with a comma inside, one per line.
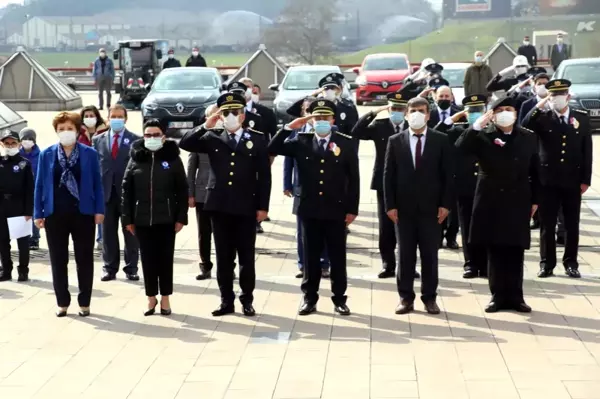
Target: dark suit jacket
(556,56)
(113,170)
(434,115)
(426,189)
(269,120)
(526,107)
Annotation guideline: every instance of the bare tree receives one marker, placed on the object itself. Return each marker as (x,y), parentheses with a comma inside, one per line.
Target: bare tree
(303,31)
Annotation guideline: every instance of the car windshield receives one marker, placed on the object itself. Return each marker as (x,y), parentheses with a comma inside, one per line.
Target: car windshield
(455,77)
(188,79)
(385,64)
(582,73)
(304,80)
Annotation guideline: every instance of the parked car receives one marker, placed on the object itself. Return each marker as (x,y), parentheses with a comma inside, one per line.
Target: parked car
(454,73)
(584,74)
(379,75)
(179,97)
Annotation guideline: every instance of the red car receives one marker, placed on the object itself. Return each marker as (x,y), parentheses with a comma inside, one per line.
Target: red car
(379,75)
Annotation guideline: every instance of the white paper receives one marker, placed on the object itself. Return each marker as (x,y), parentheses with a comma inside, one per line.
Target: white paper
(19,227)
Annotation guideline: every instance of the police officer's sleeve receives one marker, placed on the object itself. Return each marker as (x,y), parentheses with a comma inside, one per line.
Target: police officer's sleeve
(390,176)
(588,149)
(468,142)
(280,145)
(263,178)
(353,176)
(497,83)
(192,169)
(180,192)
(127,195)
(531,120)
(196,140)
(362,130)
(288,172)
(447,165)
(29,189)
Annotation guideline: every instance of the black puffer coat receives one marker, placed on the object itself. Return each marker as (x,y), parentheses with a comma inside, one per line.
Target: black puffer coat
(155,188)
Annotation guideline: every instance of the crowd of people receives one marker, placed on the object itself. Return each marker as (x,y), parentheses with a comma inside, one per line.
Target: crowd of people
(484,167)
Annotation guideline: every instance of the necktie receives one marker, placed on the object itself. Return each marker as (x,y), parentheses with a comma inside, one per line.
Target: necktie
(115,146)
(397,128)
(563,120)
(232,140)
(418,150)
(443,116)
(322,143)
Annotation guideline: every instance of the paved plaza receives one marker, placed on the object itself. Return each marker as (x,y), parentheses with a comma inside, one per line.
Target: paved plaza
(117,353)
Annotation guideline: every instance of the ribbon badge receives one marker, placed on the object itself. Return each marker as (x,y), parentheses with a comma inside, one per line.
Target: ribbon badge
(499,142)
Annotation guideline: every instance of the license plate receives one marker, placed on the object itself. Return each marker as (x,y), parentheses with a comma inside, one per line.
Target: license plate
(381,97)
(181,125)
(594,112)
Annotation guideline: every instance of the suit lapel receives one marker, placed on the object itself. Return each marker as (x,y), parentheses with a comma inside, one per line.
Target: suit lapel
(405,144)
(125,145)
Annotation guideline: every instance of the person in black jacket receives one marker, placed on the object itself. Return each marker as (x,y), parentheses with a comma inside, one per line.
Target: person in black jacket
(195,60)
(528,50)
(172,62)
(155,208)
(16,199)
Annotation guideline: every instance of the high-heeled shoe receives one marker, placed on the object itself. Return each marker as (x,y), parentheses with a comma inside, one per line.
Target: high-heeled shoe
(84,312)
(61,312)
(150,312)
(165,312)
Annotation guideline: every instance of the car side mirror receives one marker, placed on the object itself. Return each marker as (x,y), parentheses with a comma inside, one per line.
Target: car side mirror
(159,54)
(356,70)
(353,86)
(116,54)
(274,87)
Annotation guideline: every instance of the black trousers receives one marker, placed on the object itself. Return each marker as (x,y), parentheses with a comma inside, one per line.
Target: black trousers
(423,232)
(157,246)
(111,248)
(318,234)
(235,234)
(551,199)
(449,229)
(475,255)
(505,274)
(82,230)
(204,237)
(22,244)
(387,235)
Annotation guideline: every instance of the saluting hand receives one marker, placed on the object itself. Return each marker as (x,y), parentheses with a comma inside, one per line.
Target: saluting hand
(442,214)
(426,92)
(299,122)
(543,102)
(381,109)
(458,116)
(525,82)
(212,120)
(484,120)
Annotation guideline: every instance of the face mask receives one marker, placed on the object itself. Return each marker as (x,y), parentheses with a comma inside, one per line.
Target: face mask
(27,144)
(397,117)
(505,118)
(322,128)
(11,152)
(153,143)
(67,137)
(171,56)
(478,58)
(473,116)
(559,41)
(559,102)
(90,122)
(541,91)
(195,53)
(231,123)
(520,70)
(444,104)
(254,98)
(525,42)
(329,94)
(416,120)
(117,124)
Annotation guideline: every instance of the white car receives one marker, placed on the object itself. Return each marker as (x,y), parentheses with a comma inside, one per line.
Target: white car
(454,73)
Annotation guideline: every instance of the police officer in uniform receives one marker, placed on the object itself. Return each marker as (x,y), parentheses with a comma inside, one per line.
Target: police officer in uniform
(251,120)
(16,199)
(239,188)
(565,150)
(330,189)
(379,131)
(465,176)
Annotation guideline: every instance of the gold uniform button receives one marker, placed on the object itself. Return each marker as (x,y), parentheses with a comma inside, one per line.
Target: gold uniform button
(563,151)
(476,163)
(564,144)
(321,182)
(233,154)
(230,173)
(564,137)
(322,171)
(321,193)
(562,160)
(475,174)
(322,161)
(230,183)
(233,164)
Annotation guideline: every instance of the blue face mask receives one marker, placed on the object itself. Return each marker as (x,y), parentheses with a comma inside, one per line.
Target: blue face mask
(473,116)
(397,117)
(322,128)
(117,124)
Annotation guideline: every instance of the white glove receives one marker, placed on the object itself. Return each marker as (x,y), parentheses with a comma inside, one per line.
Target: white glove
(507,71)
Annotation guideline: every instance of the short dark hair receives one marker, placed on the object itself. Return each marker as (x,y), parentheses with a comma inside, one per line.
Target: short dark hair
(154,123)
(117,107)
(541,76)
(418,102)
(92,108)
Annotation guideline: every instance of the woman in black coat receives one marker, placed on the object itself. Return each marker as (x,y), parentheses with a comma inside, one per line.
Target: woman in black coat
(155,207)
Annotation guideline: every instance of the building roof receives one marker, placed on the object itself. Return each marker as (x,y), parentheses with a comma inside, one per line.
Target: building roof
(262,49)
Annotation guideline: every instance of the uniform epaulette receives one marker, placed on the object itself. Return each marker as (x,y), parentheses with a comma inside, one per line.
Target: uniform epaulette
(461,123)
(343,135)
(311,132)
(528,130)
(580,111)
(254,131)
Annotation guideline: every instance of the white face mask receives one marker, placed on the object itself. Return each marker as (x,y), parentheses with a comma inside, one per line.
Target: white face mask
(559,41)
(329,94)
(67,137)
(248,94)
(90,122)
(11,152)
(559,102)
(254,98)
(231,123)
(171,56)
(27,144)
(520,70)
(541,91)
(416,120)
(505,118)
(195,53)
(526,42)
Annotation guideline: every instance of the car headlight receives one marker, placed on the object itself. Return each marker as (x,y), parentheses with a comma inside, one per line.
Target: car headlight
(361,80)
(148,108)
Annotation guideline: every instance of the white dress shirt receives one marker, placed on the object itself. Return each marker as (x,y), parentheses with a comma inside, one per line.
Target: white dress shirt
(326,138)
(448,119)
(238,135)
(413,143)
(565,116)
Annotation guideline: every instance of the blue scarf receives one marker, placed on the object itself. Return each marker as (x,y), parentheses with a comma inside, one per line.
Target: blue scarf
(67,178)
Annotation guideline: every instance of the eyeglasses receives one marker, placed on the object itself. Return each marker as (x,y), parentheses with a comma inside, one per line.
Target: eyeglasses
(234,112)
(152,135)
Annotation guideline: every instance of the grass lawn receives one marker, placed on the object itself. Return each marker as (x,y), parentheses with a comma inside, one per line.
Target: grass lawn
(83,59)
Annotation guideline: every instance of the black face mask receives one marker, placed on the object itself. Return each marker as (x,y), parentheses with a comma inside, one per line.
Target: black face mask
(444,104)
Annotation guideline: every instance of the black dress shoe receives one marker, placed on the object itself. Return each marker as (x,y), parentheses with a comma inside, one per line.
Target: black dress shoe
(492,307)
(259,229)
(300,274)
(23,277)
(223,309)
(572,272)
(5,276)
(84,313)
(248,310)
(560,240)
(523,308)
(108,277)
(132,277)
(452,244)
(417,275)
(342,309)
(34,246)
(307,308)
(470,273)
(384,273)
(325,274)
(61,313)
(165,312)
(431,307)
(405,307)
(545,272)
(204,276)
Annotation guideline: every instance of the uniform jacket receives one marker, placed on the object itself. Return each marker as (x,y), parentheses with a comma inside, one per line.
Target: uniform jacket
(520,99)
(91,195)
(109,68)
(498,83)
(529,52)
(255,122)
(33,157)
(477,78)
(198,172)
(171,63)
(268,122)
(113,170)
(558,56)
(526,108)
(290,172)
(346,116)
(16,187)
(240,176)
(198,61)
(565,151)
(378,131)
(424,190)
(506,186)
(466,166)
(329,181)
(155,189)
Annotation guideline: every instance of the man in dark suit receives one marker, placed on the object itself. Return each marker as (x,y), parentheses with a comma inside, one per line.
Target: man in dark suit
(418,180)
(330,189)
(528,50)
(565,151)
(559,52)
(539,87)
(239,189)
(379,131)
(113,148)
